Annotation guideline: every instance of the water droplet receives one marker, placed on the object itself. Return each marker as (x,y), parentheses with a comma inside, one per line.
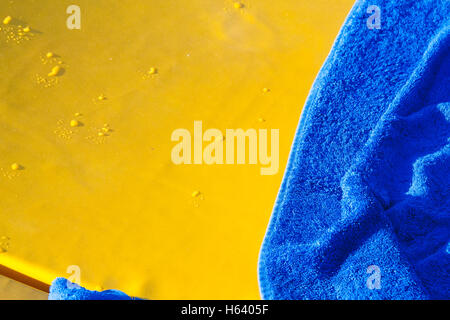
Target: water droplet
(46,82)
(7,20)
(55,71)
(15,166)
(74,123)
(4,244)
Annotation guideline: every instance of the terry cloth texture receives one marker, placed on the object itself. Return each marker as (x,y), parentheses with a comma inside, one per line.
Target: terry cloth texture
(363,211)
(62,289)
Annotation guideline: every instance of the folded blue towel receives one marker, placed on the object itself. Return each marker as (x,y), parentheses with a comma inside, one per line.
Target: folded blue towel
(62,289)
(363,211)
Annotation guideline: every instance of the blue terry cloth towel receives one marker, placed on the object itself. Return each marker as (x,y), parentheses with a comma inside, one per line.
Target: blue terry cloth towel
(363,211)
(62,289)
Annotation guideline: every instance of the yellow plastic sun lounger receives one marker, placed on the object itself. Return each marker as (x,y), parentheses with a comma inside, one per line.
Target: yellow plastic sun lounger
(87,184)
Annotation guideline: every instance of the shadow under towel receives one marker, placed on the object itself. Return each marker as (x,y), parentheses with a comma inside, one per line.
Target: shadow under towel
(363,209)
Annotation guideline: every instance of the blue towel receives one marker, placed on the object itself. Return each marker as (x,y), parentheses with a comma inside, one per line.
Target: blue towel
(363,211)
(62,289)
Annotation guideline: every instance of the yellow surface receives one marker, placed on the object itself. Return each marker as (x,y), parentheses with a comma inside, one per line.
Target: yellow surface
(115,204)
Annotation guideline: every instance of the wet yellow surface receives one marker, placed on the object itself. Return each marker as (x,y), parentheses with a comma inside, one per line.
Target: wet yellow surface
(86,117)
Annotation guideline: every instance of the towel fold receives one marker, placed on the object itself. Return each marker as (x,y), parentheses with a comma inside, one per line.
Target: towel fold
(363,209)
